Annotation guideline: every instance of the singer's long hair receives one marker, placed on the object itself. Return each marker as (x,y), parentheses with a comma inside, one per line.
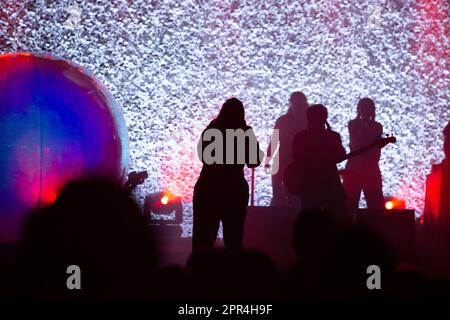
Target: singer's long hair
(231,115)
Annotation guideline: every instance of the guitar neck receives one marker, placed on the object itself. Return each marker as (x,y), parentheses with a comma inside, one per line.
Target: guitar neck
(358,152)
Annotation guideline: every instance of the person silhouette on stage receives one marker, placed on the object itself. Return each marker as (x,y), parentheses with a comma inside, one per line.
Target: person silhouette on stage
(287,125)
(436,214)
(362,173)
(221,193)
(444,166)
(316,151)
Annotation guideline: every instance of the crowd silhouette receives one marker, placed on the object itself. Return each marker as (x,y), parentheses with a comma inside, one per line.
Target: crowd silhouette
(95,224)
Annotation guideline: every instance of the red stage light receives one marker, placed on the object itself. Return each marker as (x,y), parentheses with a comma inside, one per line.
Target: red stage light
(394,203)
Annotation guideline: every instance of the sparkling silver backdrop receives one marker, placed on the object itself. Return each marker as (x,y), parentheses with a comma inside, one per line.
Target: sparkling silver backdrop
(171,64)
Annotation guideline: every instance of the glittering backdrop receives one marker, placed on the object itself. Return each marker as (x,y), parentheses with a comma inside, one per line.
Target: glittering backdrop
(171,64)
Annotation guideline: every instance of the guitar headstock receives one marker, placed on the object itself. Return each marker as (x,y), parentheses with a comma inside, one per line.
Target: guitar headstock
(383,142)
(136,178)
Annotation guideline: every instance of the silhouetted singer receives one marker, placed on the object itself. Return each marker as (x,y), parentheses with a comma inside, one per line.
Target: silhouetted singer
(221,192)
(287,125)
(316,151)
(362,173)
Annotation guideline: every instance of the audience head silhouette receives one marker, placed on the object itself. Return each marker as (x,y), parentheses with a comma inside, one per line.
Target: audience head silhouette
(315,233)
(231,115)
(358,248)
(220,274)
(366,109)
(95,225)
(317,116)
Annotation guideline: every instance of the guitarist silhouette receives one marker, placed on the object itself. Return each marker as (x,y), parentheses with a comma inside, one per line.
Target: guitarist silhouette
(313,176)
(363,173)
(315,179)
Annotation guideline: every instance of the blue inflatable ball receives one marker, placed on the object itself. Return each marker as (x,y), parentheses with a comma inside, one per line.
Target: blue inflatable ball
(57,123)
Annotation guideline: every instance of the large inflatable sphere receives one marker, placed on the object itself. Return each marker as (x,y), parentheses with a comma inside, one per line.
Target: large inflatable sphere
(57,123)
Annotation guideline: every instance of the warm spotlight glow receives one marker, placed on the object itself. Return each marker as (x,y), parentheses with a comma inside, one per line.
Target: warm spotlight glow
(394,203)
(389,205)
(164,200)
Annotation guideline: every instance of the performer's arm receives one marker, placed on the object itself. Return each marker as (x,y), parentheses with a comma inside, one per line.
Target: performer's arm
(379,129)
(272,149)
(259,153)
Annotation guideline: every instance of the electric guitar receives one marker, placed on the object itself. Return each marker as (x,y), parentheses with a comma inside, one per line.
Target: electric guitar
(291,176)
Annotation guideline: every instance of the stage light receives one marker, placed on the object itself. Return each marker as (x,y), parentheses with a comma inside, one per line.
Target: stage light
(163,208)
(394,203)
(389,205)
(164,200)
